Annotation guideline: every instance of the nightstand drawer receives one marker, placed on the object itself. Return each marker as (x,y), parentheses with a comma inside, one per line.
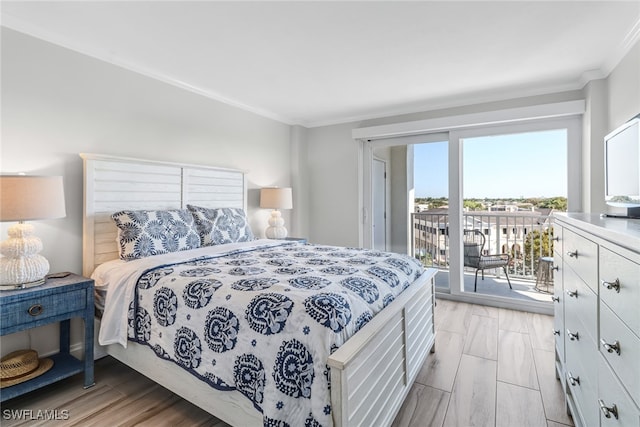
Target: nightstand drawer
(45,307)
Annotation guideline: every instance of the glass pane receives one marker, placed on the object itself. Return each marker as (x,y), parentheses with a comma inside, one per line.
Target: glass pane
(511,185)
(430,219)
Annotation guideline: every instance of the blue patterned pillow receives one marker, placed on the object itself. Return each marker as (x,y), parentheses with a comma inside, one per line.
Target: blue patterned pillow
(222,225)
(145,233)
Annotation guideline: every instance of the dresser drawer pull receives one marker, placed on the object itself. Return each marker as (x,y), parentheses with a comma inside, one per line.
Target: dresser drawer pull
(556,239)
(573,380)
(572,336)
(35,310)
(555,299)
(556,332)
(556,267)
(573,294)
(612,285)
(611,347)
(573,254)
(608,410)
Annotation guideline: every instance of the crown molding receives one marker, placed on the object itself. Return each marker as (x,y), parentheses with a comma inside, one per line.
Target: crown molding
(629,41)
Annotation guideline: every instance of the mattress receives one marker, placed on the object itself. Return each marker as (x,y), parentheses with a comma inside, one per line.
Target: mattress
(260,317)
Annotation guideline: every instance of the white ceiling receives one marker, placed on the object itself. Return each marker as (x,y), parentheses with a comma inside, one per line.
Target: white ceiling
(317,63)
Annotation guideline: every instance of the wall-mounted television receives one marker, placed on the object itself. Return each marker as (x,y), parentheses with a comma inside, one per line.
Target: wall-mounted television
(622,170)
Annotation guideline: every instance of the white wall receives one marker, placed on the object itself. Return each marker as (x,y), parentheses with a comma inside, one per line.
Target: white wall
(624,89)
(333,185)
(594,128)
(57,103)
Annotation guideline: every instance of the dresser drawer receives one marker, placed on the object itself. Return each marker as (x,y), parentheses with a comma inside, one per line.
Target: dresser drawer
(558,312)
(580,370)
(614,401)
(33,310)
(626,364)
(582,379)
(582,304)
(559,329)
(620,287)
(558,241)
(581,255)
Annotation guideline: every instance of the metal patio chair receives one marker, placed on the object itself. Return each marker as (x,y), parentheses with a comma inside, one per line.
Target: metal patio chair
(474,241)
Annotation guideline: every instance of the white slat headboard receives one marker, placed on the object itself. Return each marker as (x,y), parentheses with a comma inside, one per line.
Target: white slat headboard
(114,183)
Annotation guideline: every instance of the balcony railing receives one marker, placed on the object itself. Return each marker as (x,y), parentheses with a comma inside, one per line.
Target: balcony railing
(525,236)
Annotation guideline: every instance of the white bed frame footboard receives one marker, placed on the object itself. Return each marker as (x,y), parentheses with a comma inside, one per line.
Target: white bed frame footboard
(371,374)
(374,370)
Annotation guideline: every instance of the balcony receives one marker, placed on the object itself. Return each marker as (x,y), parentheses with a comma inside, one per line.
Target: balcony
(525,235)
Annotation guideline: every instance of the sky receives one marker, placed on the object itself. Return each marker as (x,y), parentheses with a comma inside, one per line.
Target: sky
(506,166)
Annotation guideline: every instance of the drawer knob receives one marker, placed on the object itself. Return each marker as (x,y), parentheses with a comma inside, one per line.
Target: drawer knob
(572,336)
(611,347)
(35,310)
(573,254)
(607,411)
(555,299)
(612,285)
(555,267)
(556,239)
(573,380)
(556,332)
(573,294)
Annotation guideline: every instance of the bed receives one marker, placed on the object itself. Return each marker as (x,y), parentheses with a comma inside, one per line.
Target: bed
(367,377)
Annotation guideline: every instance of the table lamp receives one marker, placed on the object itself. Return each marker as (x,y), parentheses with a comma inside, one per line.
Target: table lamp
(26,198)
(276,198)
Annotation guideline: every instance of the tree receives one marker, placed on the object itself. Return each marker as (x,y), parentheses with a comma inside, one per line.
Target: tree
(537,244)
(557,203)
(473,205)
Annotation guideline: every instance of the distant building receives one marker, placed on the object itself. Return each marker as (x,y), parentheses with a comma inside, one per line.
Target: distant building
(504,226)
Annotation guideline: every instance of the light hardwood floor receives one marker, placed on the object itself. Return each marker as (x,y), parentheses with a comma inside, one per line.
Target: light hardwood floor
(492,367)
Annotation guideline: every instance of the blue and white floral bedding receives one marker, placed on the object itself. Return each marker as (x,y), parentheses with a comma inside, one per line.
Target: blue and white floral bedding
(263,318)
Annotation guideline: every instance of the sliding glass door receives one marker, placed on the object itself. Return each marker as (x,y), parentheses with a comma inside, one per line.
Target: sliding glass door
(504,181)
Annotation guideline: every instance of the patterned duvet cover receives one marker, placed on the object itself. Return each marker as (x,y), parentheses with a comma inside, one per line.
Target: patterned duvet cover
(263,321)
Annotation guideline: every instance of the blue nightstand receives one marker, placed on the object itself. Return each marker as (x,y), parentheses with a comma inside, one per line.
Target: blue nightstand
(58,300)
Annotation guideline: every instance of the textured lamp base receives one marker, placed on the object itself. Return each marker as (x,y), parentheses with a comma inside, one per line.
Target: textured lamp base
(21,266)
(276,229)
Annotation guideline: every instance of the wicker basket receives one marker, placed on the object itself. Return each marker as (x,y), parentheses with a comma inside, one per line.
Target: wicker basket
(18,363)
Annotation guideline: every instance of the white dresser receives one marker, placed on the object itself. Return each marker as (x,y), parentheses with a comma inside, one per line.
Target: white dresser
(597,317)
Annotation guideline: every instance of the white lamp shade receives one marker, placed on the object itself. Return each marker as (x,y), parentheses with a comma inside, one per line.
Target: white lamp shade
(24,198)
(276,198)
